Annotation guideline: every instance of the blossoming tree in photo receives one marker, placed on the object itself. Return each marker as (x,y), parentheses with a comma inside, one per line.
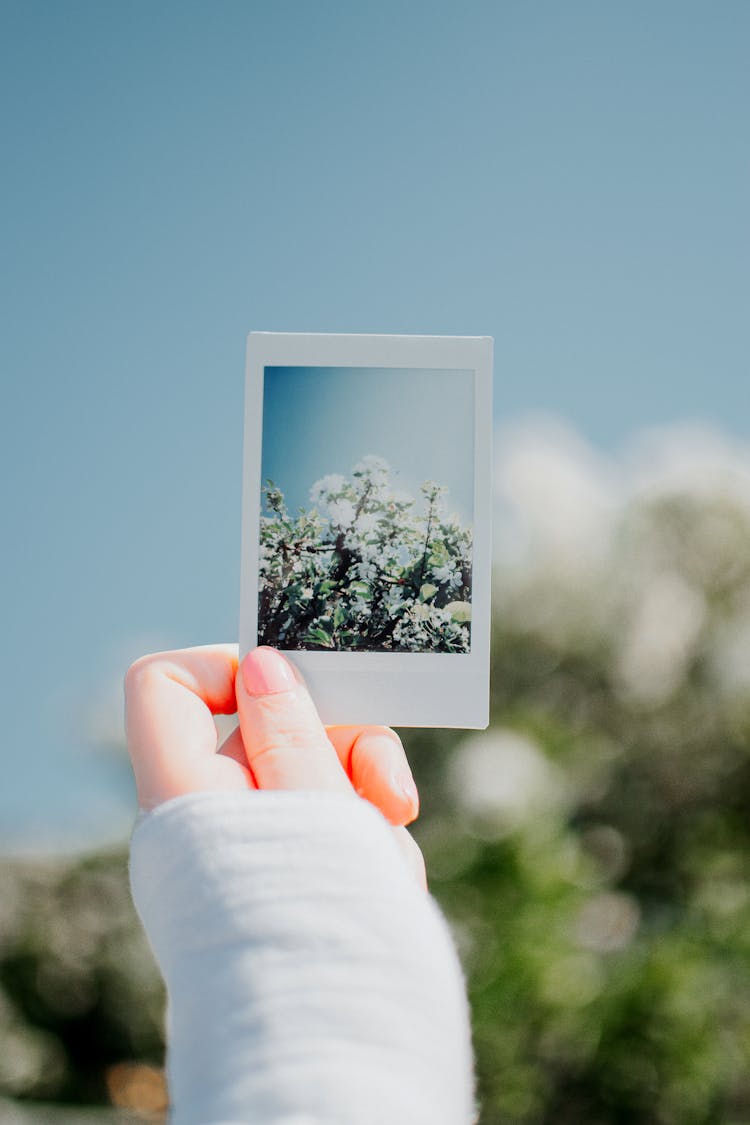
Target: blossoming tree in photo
(366,567)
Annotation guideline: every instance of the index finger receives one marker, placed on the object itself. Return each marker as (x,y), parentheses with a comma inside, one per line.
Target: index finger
(170,701)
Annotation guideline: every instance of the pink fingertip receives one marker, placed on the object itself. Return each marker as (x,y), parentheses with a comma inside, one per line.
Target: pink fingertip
(266,672)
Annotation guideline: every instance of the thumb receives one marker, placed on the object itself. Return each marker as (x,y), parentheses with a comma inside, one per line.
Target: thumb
(285,742)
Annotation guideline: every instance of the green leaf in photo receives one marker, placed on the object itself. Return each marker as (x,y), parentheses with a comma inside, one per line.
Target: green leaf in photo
(427,591)
(459,611)
(294,593)
(339,616)
(318,636)
(350,639)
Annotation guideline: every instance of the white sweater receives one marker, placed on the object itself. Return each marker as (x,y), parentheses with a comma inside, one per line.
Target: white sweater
(310,981)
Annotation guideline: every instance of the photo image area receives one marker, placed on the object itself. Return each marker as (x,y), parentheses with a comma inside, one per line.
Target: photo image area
(366,509)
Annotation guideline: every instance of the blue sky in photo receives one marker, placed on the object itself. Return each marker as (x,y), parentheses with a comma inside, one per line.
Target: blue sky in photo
(570,178)
(321,420)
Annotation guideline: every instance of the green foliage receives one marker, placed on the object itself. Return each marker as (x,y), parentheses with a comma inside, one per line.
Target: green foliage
(591,850)
(365,568)
(79,991)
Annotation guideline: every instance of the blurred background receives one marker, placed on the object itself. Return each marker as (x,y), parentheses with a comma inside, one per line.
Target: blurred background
(573,180)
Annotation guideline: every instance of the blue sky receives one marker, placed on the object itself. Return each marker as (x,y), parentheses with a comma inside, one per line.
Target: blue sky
(571,179)
(324,420)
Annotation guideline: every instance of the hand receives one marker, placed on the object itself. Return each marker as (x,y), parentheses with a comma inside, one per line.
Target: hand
(170,701)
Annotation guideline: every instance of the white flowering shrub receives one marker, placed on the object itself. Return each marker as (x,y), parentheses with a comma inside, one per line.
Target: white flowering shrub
(366,567)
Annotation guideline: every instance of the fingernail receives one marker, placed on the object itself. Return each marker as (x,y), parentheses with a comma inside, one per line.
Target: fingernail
(265,672)
(403,783)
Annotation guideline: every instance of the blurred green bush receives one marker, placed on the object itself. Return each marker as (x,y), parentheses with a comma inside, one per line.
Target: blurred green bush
(592,849)
(79,992)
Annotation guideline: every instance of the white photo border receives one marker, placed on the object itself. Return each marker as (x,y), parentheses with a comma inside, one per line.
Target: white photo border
(390,688)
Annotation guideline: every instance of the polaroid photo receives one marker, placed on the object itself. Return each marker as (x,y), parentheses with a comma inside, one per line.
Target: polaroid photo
(366,522)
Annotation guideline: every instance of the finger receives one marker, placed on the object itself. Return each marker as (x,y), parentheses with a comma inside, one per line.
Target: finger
(285,742)
(412,854)
(376,763)
(170,698)
(233,747)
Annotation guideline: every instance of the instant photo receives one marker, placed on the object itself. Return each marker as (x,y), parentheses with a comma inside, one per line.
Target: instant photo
(366,522)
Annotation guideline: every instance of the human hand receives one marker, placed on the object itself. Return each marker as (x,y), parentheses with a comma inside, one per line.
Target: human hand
(171,698)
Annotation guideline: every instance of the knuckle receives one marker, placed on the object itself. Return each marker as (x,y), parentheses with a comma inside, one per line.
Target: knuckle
(141,671)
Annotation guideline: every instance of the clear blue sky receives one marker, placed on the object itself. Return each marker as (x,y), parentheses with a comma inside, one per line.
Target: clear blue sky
(324,420)
(571,178)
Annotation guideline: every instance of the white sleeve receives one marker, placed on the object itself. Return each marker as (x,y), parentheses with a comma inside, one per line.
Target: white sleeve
(309,981)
